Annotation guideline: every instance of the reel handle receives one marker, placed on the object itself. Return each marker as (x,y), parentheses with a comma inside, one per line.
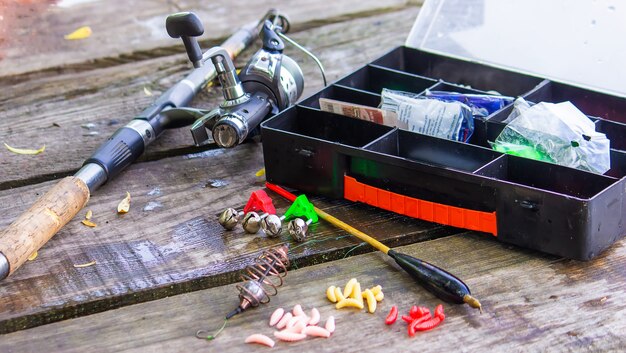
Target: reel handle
(187,25)
(271,39)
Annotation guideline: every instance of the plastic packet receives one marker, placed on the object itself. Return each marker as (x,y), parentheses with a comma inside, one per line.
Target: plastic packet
(450,120)
(557,133)
(482,104)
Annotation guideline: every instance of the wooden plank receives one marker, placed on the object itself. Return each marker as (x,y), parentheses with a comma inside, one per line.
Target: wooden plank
(51,109)
(33,34)
(170,241)
(532,302)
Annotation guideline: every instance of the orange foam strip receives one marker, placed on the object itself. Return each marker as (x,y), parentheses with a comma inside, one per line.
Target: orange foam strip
(416,208)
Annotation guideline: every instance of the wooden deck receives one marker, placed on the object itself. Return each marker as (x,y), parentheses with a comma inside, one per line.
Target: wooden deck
(166,269)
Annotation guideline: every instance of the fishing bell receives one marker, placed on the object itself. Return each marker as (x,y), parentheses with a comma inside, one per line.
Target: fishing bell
(298,228)
(229,218)
(251,222)
(258,201)
(301,207)
(272,225)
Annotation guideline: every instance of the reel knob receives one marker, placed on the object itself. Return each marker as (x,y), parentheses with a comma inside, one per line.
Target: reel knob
(187,25)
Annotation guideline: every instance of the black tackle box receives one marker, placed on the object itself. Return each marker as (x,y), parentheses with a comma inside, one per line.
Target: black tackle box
(533,204)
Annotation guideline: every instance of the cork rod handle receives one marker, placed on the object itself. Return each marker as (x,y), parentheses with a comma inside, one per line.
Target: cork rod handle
(36,226)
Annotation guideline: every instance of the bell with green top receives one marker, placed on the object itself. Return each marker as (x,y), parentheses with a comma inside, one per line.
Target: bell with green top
(301,207)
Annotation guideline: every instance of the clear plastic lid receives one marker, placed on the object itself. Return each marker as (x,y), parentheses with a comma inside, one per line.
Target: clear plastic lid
(574,41)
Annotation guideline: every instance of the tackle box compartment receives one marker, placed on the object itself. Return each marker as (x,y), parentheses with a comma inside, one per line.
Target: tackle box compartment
(533,204)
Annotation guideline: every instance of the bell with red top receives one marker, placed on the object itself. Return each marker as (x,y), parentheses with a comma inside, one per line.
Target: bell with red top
(250,219)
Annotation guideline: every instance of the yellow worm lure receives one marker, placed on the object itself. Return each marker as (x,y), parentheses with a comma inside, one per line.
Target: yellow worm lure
(347,291)
(330,294)
(349,302)
(353,296)
(357,293)
(371,300)
(338,295)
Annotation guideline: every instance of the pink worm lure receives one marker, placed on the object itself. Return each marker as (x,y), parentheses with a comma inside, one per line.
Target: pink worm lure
(276,316)
(294,320)
(330,324)
(297,310)
(289,336)
(283,322)
(297,328)
(315,317)
(316,331)
(260,339)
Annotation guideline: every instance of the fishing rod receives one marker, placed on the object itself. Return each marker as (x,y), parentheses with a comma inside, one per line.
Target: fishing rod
(33,228)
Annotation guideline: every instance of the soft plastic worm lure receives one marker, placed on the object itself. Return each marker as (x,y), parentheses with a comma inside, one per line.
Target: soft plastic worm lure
(392,316)
(428,325)
(294,320)
(371,301)
(315,317)
(357,293)
(418,311)
(276,316)
(439,312)
(378,294)
(349,302)
(330,294)
(260,339)
(416,322)
(379,297)
(289,336)
(349,287)
(330,324)
(297,310)
(284,320)
(338,294)
(427,322)
(298,327)
(301,325)
(316,331)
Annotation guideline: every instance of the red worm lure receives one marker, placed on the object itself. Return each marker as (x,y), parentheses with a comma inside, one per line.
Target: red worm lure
(413,312)
(428,325)
(419,318)
(417,322)
(418,311)
(393,315)
(439,312)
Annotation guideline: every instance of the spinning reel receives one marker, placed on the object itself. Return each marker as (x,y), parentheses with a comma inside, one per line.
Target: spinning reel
(269,83)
